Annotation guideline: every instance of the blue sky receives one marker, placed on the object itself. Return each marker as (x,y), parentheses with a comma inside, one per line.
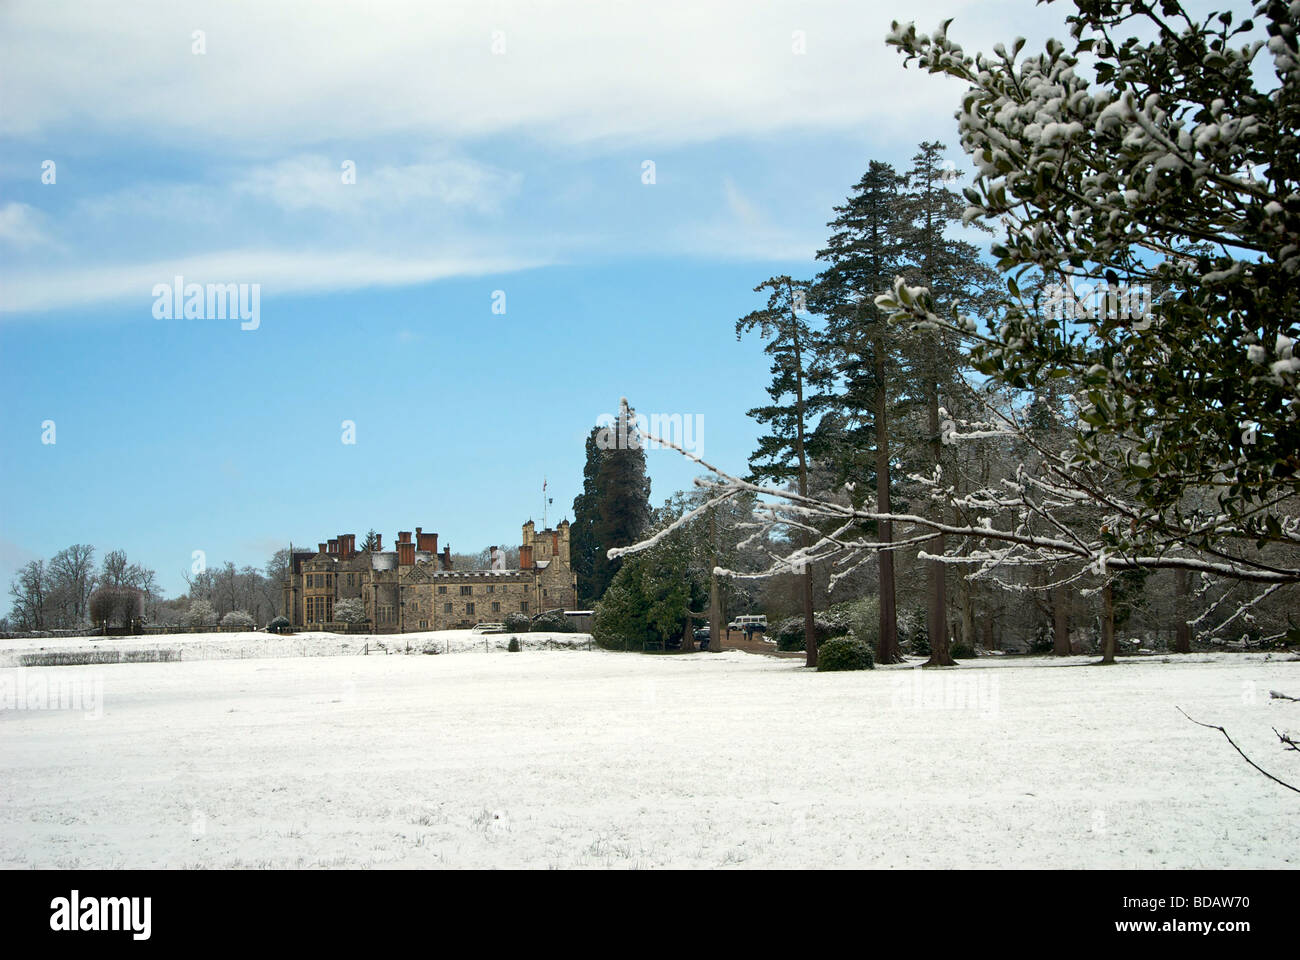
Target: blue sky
(476,172)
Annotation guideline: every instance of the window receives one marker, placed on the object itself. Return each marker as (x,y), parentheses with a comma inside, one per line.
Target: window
(446,608)
(424,624)
(311,580)
(351,582)
(496,606)
(492,588)
(543,593)
(469,609)
(523,606)
(467,590)
(442,589)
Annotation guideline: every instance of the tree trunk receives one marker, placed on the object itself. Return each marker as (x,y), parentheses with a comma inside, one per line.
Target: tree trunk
(1061,620)
(1183,631)
(936,620)
(809,623)
(715,602)
(1107,625)
(887,649)
(968,614)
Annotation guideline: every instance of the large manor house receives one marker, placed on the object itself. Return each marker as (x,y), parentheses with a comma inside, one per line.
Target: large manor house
(415,588)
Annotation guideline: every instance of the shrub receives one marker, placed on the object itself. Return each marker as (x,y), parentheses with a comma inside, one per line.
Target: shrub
(517,622)
(237,618)
(552,621)
(864,615)
(826,626)
(279,625)
(513,645)
(844,653)
(961,651)
(200,614)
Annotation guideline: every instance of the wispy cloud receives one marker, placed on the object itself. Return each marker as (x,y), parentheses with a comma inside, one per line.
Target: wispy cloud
(279,272)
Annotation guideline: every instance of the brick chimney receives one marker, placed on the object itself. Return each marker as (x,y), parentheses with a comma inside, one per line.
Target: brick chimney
(405,553)
(379,543)
(322,548)
(446,557)
(334,546)
(526,556)
(426,542)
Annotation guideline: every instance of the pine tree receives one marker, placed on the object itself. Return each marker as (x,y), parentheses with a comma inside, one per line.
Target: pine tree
(582,532)
(863,257)
(957,277)
(782,452)
(622,489)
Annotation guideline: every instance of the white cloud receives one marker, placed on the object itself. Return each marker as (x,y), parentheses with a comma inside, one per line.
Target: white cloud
(298,72)
(317,182)
(21,227)
(278,271)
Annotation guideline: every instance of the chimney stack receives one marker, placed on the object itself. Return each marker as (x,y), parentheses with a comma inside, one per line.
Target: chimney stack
(446,557)
(405,553)
(379,543)
(322,548)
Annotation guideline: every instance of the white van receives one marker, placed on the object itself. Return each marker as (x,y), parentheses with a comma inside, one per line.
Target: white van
(749,623)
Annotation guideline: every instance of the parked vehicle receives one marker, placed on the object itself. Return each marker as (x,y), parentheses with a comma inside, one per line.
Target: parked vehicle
(749,623)
(702,637)
(489,628)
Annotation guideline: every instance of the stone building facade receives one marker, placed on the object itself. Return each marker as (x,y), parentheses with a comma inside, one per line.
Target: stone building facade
(413,587)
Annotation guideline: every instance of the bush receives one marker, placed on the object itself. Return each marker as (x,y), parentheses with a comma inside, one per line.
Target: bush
(237,618)
(844,653)
(961,651)
(553,621)
(200,614)
(279,625)
(826,626)
(864,615)
(513,645)
(516,622)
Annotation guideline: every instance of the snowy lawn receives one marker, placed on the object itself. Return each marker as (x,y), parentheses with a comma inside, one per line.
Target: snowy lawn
(562,759)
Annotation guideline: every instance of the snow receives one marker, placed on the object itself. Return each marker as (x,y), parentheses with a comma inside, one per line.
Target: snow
(557,759)
(219,646)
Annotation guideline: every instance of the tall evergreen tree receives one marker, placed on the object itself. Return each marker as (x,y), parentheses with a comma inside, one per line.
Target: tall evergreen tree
(863,256)
(782,453)
(957,277)
(622,489)
(582,532)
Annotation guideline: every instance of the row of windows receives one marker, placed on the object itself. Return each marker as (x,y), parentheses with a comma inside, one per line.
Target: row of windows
(318,609)
(496,607)
(467,589)
(320,580)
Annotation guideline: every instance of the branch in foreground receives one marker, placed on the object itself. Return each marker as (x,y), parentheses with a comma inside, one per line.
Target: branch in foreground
(1239,750)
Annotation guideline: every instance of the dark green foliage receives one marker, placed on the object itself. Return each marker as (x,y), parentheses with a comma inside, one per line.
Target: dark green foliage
(1195,391)
(614,508)
(961,651)
(553,621)
(516,622)
(513,645)
(844,653)
(647,602)
(279,625)
(826,626)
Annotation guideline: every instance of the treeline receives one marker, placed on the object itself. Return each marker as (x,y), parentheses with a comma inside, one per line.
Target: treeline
(70,591)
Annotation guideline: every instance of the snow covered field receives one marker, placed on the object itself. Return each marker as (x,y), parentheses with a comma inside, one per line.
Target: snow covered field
(562,759)
(221,646)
